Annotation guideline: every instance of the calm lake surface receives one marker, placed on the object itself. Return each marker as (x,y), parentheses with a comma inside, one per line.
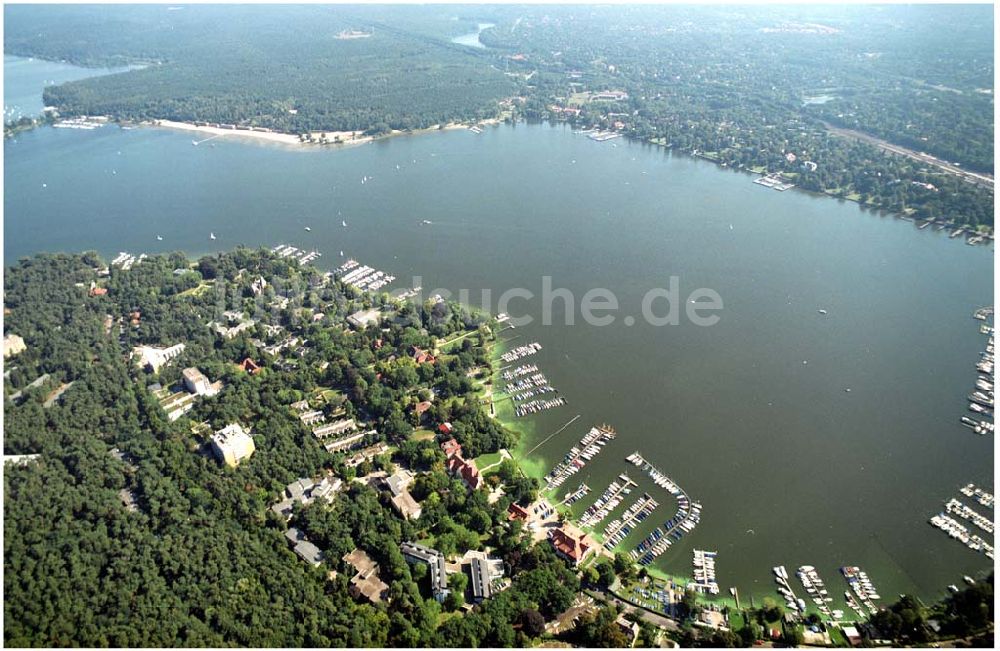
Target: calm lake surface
(472,39)
(24,80)
(790,468)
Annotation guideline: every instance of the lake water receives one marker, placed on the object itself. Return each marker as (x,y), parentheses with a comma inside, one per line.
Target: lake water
(25,79)
(790,467)
(472,39)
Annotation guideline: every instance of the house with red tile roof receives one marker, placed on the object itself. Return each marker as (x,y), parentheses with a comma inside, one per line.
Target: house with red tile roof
(465,470)
(421,408)
(517,512)
(421,356)
(250,366)
(451,447)
(445,428)
(571,543)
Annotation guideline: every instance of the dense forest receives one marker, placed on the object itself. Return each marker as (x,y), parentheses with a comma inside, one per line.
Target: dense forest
(195,548)
(749,88)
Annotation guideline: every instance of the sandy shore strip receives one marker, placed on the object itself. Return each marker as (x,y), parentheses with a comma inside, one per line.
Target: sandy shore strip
(209,131)
(317,138)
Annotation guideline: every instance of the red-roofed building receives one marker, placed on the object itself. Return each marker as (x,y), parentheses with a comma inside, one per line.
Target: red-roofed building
(98,291)
(465,470)
(571,543)
(421,356)
(250,366)
(516,512)
(445,428)
(451,448)
(421,408)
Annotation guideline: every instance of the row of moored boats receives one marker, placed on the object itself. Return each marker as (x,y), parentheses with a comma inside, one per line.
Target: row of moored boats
(578,456)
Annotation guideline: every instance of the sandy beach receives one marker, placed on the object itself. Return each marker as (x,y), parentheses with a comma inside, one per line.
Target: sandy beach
(265,136)
(318,138)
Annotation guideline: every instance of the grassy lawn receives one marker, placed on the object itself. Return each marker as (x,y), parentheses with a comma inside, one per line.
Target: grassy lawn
(195,291)
(486,460)
(422,434)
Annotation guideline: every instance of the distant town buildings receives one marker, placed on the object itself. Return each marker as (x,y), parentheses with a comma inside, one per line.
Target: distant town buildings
(414,553)
(154,358)
(232,444)
(12,345)
(610,96)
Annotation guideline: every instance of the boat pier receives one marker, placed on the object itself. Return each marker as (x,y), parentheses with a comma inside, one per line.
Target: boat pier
(785,590)
(363,277)
(620,528)
(984,498)
(578,456)
(955,507)
(704,572)
(961,533)
(301,255)
(688,515)
(815,588)
(609,499)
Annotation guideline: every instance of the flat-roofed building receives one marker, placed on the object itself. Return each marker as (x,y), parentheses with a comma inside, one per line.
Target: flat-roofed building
(336,428)
(196,382)
(12,345)
(153,358)
(407,507)
(363,318)
(365,582)
(232,444)
(484,572)
(415,553)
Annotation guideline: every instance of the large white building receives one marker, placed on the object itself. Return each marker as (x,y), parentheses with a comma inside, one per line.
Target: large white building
(196,382)
(153,357)
(232,444)
(12,345)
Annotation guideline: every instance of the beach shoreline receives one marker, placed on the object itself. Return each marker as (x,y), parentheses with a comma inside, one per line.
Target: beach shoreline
(317,139)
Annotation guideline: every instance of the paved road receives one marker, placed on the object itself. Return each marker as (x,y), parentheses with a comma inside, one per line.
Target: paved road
(982,180)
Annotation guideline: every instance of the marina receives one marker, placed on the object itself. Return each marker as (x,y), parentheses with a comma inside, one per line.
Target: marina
(524,369)
(301,255)
(704,572)
(362,277)
(955,507)
(774,182)
(864,591)
(684,521)
(961,533)
(536,406)
(620,528)
(581,491)
(981,401)
(815,588)
(608,501)
(125,260)
(792,601)
(984,498)
(520,352)
(578,456)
